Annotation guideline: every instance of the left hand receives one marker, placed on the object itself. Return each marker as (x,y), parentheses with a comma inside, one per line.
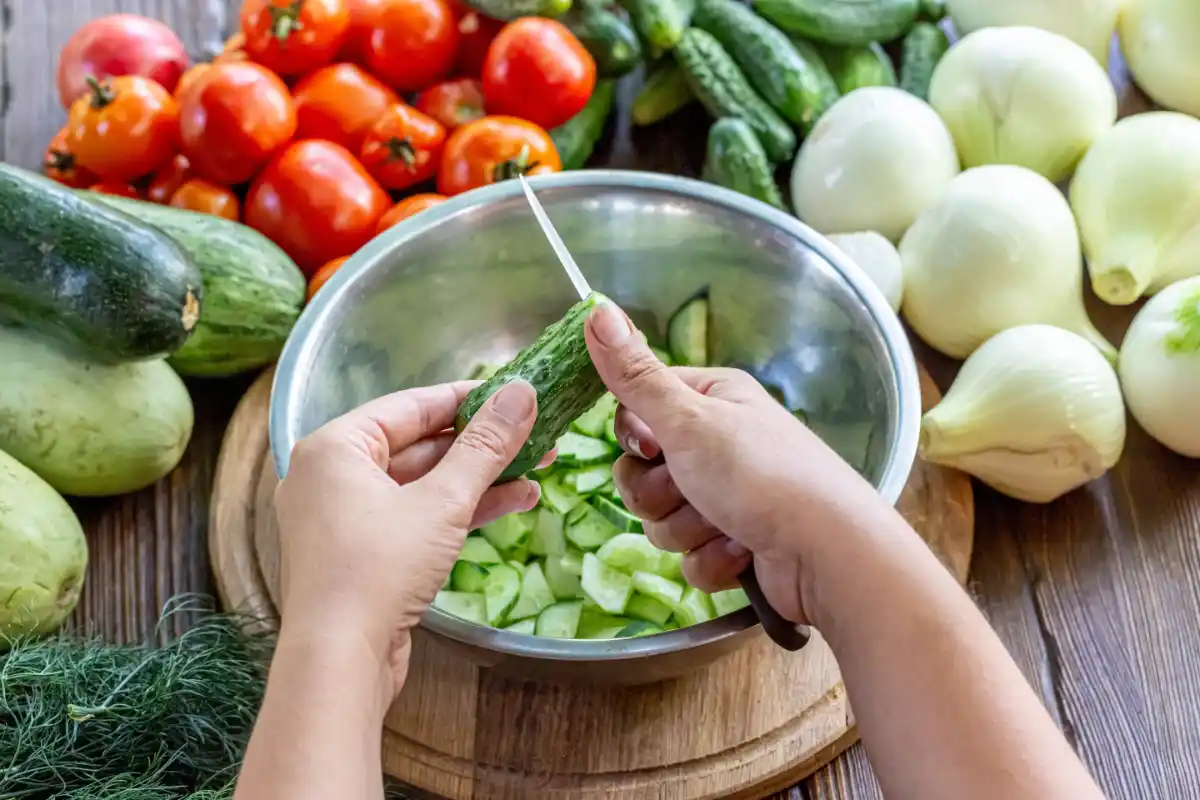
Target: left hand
(377,503)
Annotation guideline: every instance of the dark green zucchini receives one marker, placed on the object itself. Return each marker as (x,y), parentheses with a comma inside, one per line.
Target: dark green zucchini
(508,10)
(614,45)
(687,332)
(796,87)
(856,66)
(91,277)
(576,138)
(736,161)
(253,292)
(923,48)
(664,92)
(720,86)
(660,23)
(841,21)
(559,368)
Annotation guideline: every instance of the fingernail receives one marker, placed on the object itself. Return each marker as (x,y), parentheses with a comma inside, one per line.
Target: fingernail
(736,549)
(535,494)
(514,402)
(634,446)
(610,324)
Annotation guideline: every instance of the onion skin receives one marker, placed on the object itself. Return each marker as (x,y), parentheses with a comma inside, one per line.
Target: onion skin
(1161,42)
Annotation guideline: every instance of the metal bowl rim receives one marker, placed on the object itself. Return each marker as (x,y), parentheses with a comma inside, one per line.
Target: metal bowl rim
(897,466)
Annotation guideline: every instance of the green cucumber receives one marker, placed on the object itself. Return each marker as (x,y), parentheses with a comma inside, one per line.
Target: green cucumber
(694,608)
(484,371)
(592,422)
(467,576)
(729,601)
(612,42)
(631,552)
(923,48)
(506,533)
(253,292)
(535,594)
(595,624)
(639,627)
(647,608)
(605,586)
(557,495)
(841,21)
(467,606)
(478,550)
(933,10)
(559,368)
(856,66)
(736,160)
(687,332)
(661,589)
(660,23)
(622,519)
(576,138)
(575,449)
(795,86)
(665,91)
(562,576)
(500,591)
(508,10)
(589,480)
(560,621)
(721,88)
(527,627)
(587,529)
(547,538)
(95,279)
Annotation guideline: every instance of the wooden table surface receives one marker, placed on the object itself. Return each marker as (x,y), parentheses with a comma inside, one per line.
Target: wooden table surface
(1097,596)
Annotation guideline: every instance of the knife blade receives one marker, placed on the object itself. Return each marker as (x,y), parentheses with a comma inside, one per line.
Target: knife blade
(784,633)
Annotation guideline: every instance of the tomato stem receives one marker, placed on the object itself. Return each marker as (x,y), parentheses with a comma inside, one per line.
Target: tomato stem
(402,150)
(60,160)
(285,20)
(511,168)
(102,93)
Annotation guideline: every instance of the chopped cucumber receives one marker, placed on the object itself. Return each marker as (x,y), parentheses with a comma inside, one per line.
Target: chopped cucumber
(595,418)
(606,586)
(610,430)
(656,586)
(638,628)
(525,626)
(446,583)
(547,538)
(694,608)
(519,566)
(506,533)
(622,519)
(562,576)
(467,576)
(588,480)
(687,332)
(469,606)
(480,551)
(560,621)
(729,601)
(595,624)
(587,529)
(631,552)
(575,449)
(500,590)
(671,566)
(535,594)
(557,496)
(647,608)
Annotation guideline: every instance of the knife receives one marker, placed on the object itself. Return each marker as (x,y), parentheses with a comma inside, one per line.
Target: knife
(783,633)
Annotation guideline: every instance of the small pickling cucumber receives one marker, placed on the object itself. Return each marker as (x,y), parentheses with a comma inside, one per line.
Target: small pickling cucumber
(665,91)
(467,576)
(560,370)
(856,66)
(575,449)
(608,588)
(587,529)
(736,160)
(687,332)
(923,48)
(576,138)
(508,10)
(468,606)
(535,595)
(612,42)
(720,86)
(500,592)
(660,23)
(560,621)
(841,21)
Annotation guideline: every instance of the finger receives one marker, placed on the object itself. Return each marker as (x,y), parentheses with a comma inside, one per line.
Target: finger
(723,383)
(681,531)
(646,489)
(395,421)
(414,461)
(635,436)
(715,565)
(548,459)
(510,498)
(633,373)
(488,444)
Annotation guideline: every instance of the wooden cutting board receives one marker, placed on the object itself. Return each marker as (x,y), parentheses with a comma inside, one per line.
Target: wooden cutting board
(753,723)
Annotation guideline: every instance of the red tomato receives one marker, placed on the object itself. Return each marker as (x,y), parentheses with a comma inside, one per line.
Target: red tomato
(316,202)
(119,44)
(403,147)
(198,194)
(452,103)
(493,149)
(116,188)
(339,103)
(476,33)
(233,119)
(126,127)
(188,78)
(291,37)
(59,164)
(168,179)
(409,207)
(321,276)
(362,26)
(537,70)
(414,44)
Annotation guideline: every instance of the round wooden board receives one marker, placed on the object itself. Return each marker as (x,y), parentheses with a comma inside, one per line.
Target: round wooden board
(753,723)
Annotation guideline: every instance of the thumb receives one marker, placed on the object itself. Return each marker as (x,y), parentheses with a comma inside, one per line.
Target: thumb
(488,444)
(632,372)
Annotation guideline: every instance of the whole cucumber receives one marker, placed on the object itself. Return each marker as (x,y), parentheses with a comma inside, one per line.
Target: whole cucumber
(736,160)
(89,276)
(576,138)
(842,21)
(613,44)
(660,22)
(856,66)
(559,368)
(508,10)
(923,48)
(664,92)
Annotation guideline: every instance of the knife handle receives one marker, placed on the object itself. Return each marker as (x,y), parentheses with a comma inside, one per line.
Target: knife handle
(786,634)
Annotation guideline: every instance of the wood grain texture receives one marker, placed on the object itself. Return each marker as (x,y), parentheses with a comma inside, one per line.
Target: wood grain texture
(463,732)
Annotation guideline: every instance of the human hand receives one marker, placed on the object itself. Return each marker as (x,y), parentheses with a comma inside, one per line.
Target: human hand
(376,505)
(738,474)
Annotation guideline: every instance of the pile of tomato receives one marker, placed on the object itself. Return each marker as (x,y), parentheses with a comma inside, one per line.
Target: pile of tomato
(322,122)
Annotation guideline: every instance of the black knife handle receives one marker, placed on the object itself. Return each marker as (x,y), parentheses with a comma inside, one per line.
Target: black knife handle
(786,634)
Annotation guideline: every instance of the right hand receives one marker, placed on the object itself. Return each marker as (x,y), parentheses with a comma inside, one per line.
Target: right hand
(738,474)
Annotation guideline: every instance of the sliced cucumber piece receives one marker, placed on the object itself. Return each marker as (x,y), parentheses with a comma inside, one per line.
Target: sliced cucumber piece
(618,516)
(631,552)
(467,576)
(606,586)
(518,565)
(661,589)
(589,480)
(562,576)
(575,449)
(558,496)
(638,628)
(729,601)
(610,430)
(500,590)
(446,583)
(595,624)
(572,562)
(595,418)
(647,608)
(587,529)
(469,606)
(480,551)
(508,532)
(687,332)
(547,538)
(535,594)
(671,566)
(525,626)
(560,621)
(694,608)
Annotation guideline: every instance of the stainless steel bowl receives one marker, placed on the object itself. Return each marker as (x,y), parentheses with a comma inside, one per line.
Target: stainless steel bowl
(473,280)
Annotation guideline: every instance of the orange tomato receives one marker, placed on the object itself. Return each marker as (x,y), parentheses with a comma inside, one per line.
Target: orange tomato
(403,147)
(475,33)
(452,103)
(317,202)
(493,149)
(233,119)
(188,78)
(536,69)
(59,164)
(292,37)
(116,188)
(125,128)
(321,276)
(362,27)
(234,49)
(409,207)
(198,194)
(168,179)
(414,44)
(339,103)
